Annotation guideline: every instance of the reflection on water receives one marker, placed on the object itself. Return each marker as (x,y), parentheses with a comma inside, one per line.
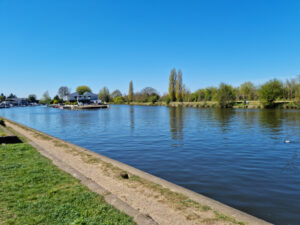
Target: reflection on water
(271,119)
(176,115)
(236,156)
(248,117)
(223,117)
(131,113)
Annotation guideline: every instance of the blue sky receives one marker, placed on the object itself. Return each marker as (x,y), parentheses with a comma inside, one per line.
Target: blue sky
(50,43)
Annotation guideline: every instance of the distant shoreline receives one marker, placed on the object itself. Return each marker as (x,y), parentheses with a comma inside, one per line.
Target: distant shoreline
(214,104)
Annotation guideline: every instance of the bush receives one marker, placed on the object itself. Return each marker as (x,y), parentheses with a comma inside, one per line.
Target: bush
(71,103)
(2,122)
(119,100)
(153,99)
(168,100)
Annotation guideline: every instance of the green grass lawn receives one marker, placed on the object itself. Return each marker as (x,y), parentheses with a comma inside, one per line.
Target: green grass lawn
(34,191)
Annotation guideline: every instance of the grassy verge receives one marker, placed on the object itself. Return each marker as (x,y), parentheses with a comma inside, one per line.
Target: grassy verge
(34,191)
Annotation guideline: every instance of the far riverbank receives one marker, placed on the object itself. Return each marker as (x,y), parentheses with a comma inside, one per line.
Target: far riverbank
(215,104)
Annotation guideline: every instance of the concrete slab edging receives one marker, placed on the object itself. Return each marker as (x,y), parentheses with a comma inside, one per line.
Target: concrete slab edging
(110,198)
(201,199)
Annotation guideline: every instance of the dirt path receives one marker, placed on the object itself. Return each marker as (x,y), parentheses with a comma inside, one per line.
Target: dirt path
(153,198)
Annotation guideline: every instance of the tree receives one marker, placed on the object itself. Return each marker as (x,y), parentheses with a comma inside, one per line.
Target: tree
(149,91)
(247,90)
(298,93)
(172,83)
(194,97)
(116,93)
(63,91)
(130,92)
(32,98)
(237,93)
(210,93)
(214,93)
(225,95)
(178,88)
(146,94)
(186,94)
(290,89)
(104,94)
(198,95)
(82,89)
(46,98)
(57,100)
(269,92)
(2,97)
(12,96)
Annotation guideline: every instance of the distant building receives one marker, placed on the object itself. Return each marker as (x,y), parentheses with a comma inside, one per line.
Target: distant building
(16,101)
(85,97)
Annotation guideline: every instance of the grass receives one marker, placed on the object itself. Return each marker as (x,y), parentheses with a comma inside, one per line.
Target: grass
(222,217)
(34,191)
(2,133)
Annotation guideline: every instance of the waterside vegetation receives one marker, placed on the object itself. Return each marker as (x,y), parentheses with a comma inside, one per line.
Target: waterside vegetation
(273,93)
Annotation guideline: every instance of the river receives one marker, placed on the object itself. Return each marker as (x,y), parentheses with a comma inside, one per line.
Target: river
(236,156)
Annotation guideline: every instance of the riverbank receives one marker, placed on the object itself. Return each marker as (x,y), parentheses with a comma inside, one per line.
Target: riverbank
(214,104)
(166,203)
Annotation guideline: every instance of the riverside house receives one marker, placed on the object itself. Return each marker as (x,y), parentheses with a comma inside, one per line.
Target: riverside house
(86,97)
(15,101)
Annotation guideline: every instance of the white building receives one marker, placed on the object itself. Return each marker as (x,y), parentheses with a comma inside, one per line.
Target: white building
(85,97)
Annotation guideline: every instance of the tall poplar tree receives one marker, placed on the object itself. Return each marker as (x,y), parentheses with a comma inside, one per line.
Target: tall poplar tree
(130,92)
(172,83)
(178,88)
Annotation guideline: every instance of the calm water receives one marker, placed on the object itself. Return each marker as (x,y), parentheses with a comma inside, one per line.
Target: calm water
(235,156)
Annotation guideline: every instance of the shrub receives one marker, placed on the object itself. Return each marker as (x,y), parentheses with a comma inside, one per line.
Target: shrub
(119,100)
(153,99)
(168,100)
(2,122)
(71,103)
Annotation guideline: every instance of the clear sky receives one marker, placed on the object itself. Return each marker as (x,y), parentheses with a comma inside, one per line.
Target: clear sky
(45,44)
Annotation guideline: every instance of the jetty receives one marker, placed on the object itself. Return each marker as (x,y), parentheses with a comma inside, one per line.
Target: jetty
(84,107)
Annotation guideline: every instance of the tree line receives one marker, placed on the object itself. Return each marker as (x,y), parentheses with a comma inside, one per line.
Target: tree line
(31,98)
(225,94)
